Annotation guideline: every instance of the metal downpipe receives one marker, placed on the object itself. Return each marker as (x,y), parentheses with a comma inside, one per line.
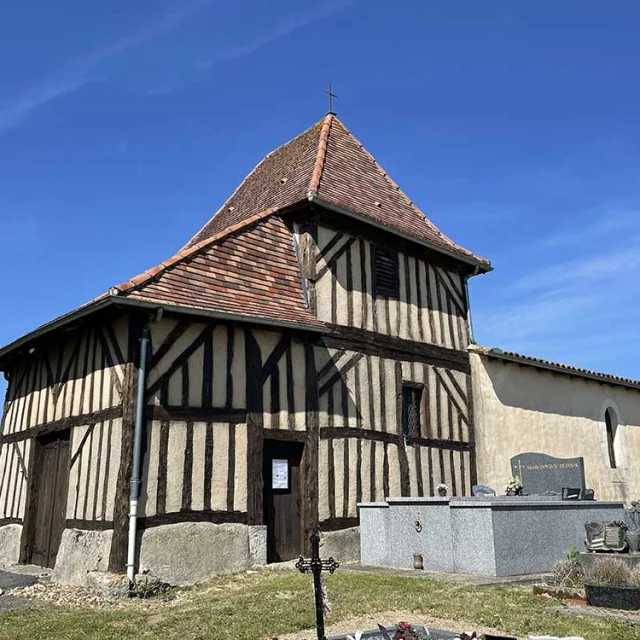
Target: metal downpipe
(137,448)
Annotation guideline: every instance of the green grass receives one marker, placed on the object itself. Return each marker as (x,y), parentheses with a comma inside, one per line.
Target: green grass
(274,602)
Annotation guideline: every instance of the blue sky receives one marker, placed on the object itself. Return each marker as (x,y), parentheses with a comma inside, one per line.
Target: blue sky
(513,125)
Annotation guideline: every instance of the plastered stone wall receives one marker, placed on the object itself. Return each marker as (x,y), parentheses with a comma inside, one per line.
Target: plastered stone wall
(189,552)
(522,408)
(81,552)
(10,536)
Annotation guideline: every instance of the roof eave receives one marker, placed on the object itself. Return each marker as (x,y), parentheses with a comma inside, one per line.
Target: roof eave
(604,378)
(480,266)
(58,323)
(217,315)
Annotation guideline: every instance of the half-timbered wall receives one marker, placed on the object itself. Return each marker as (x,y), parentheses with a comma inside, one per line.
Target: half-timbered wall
(76,384)
(364,455)
(197,439)
(431,305)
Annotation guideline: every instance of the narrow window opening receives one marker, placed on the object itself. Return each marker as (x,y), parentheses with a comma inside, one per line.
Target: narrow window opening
(387,281)
(611,422)
(411,400)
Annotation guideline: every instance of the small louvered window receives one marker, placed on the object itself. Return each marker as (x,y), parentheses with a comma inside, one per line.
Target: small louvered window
(411,397)
(387,282)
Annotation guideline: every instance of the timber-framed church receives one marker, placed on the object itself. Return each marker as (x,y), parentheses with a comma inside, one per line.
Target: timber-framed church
(304,352)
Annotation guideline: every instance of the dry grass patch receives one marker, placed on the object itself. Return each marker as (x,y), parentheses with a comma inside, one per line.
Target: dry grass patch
(249,606)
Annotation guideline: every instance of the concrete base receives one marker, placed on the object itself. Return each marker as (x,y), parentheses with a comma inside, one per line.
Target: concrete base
(10,536)
(81,552)
(189,552)
(343,545)
(479,536)
(632,560)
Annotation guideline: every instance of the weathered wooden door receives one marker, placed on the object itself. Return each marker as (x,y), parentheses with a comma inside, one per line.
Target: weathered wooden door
(282,499)
(49,498)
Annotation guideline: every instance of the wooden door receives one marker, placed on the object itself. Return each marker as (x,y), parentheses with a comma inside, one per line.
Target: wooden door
(282,499)
(51,468)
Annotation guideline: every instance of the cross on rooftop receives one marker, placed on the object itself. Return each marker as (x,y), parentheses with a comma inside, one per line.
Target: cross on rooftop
(331,97)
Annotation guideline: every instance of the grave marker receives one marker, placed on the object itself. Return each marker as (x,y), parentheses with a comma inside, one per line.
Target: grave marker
(541,474)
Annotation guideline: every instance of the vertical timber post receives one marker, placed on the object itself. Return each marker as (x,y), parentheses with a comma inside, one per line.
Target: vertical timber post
(255,437)
(118,555)
(310,509)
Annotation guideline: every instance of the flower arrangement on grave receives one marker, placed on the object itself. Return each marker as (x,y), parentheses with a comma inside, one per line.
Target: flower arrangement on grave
(442,489)
(514,486)
(467,635)
(405,631)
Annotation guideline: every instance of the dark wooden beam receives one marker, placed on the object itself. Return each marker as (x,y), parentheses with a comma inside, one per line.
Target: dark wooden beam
(376,344)
(197,414)
(284,435)
(63,424)
(255,419)
(311,453)
(89,525)
(214,517)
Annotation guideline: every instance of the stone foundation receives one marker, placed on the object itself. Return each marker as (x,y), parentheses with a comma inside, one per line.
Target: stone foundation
(81,552)
(10,536)
(258,545)
(189,552)
(343,545)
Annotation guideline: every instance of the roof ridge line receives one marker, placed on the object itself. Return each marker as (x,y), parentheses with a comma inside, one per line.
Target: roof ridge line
(393,183)
(318,166)
(226,202)
(150,274)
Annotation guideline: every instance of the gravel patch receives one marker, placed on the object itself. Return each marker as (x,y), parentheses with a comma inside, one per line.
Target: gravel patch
(83,598)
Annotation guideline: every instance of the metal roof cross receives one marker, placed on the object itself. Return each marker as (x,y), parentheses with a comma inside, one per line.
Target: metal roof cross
(331,97)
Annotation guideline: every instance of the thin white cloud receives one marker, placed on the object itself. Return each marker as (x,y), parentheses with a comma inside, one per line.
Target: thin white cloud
(77,72)
(553,311)
(280,31)
(204,64)
(610,262)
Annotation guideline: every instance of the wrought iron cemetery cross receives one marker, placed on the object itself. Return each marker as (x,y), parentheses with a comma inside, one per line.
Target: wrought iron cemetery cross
(317,566)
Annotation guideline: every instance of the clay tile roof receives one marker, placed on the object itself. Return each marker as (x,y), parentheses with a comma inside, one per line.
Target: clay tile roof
(250,269)
(328,164)
(558,367)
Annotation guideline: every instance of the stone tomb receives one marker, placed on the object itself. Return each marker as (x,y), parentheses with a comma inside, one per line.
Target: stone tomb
(541,474)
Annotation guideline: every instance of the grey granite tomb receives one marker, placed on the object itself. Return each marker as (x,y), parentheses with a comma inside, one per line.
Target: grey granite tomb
(541,474)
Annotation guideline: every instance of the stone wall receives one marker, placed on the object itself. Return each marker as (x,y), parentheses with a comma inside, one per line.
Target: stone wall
(81,552)
(10,536)
(189,552)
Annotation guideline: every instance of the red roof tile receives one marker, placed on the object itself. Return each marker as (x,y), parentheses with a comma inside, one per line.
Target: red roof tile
(328,163)
(250,269)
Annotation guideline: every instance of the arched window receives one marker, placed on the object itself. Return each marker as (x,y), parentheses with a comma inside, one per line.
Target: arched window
(611,422)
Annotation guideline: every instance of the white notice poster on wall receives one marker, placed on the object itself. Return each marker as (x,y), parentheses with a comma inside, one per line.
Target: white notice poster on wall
(279,474)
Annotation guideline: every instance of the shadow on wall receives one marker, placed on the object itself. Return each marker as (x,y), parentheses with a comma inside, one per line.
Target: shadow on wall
(542,391)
